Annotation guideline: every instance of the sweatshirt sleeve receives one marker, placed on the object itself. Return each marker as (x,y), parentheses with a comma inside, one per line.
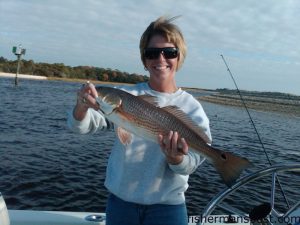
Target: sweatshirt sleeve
(189,164)
(93,121)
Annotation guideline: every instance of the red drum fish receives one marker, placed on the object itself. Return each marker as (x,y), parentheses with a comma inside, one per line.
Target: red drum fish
(140,115)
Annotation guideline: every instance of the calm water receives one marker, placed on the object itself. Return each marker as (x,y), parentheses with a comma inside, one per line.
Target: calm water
(44,166)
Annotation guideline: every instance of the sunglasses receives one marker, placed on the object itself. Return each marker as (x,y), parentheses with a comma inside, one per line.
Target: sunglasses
(154,53)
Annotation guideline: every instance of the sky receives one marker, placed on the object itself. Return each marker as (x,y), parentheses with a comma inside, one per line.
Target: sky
(258,39)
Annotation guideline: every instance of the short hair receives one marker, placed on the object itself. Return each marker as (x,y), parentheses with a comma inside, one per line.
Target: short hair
(163,26)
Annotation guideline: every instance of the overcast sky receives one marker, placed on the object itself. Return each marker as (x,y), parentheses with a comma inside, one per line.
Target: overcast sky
(259,39)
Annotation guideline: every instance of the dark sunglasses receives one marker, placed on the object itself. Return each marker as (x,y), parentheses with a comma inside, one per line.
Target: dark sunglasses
(154,53)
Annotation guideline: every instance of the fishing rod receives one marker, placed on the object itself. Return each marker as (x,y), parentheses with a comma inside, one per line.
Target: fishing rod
(256,131)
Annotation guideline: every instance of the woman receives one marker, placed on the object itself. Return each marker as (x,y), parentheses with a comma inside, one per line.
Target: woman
(147,180)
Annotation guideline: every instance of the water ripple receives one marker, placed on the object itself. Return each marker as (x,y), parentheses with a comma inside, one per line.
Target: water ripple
(44,166)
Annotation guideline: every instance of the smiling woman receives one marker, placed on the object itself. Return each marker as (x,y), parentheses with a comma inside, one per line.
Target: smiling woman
(163,51)
(159,197)
(172,34)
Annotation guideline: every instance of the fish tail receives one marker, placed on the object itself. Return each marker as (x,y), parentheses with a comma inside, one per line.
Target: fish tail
(229,166)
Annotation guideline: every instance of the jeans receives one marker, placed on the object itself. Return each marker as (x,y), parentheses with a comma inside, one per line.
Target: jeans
(119,212)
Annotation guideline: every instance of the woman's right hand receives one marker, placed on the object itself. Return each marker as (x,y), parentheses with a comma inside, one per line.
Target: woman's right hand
(85,99)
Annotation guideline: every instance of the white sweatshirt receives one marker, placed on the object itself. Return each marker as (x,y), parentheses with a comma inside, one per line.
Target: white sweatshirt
(139,172)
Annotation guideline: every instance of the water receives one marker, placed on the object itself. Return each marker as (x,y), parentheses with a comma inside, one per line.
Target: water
(44,166)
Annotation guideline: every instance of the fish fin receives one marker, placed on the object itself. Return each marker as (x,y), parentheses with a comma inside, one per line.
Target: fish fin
(229,166)
(107,107)
(178,113)
(124,136)
(150,99)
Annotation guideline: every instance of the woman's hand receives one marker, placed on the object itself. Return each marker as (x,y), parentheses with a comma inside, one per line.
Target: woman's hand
(173,147)
(85,99)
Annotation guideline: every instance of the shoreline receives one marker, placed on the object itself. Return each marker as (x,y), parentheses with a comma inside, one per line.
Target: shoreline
(261,103)
(275,105)
(37,77)
(78,80)
(23,76)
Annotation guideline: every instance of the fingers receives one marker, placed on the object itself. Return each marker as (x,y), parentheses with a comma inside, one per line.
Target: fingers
(90,88)
(184,146)
(168,141)
(165,142)
(174,141)
(86,96)
(173,147)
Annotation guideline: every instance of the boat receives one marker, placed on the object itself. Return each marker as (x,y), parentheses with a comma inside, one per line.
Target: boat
(263,213)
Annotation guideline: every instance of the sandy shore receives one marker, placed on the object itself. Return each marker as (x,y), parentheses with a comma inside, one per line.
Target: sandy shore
(85,80)
(282,106)
(23,76)
(37,77)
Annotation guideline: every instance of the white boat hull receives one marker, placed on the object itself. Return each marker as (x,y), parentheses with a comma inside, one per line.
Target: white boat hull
(30,217)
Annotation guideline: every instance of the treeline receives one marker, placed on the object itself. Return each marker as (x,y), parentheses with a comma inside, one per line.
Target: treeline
(62,71)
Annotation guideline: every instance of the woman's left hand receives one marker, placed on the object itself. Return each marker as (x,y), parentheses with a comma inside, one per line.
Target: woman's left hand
(173,147)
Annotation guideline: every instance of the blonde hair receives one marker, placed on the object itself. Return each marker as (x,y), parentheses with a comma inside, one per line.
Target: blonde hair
(164,27)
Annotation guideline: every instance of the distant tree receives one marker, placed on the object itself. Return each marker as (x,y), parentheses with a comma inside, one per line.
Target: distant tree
(3,60)
(61,70)
(105,77)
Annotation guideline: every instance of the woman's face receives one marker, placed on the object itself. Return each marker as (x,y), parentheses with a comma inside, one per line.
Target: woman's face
(161,69)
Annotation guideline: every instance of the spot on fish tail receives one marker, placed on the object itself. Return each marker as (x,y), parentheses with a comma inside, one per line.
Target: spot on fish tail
(223,156)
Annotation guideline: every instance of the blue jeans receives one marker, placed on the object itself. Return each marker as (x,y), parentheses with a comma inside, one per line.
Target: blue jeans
(119,212)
